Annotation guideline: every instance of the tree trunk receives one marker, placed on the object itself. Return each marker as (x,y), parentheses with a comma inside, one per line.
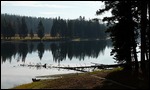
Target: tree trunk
(130,34)
(143,33)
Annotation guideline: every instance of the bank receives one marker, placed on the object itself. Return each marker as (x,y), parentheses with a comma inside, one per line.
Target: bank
(102,79)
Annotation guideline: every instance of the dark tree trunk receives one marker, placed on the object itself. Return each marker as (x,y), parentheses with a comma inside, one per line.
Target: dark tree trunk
(130,31)
(148,32)
(143,33)
(132,37)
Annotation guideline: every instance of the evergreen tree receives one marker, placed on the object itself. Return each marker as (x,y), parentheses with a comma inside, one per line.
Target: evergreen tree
(31,34)
(125,22)
(11,30)
(4,28)
(70,28)
(40,31)
(53,30)
(23,29)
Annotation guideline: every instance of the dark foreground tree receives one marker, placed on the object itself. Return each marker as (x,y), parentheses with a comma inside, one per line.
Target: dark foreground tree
(124,23)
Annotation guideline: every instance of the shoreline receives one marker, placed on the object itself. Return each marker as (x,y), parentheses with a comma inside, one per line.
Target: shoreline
(104,79)
(54,39)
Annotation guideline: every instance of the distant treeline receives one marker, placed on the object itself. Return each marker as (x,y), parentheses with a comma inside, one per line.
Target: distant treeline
(80,28)
(24,26)
(31,22)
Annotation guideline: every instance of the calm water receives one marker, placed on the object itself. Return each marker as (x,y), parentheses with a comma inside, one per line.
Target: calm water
(51,53)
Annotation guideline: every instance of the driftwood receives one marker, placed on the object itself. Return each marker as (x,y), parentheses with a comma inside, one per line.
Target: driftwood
(103,66)
(99,66)
(79,68)
(37,65)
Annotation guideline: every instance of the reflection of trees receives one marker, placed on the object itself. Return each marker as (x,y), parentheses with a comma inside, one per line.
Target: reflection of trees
(60,50)
(7,51)
(23,50)
(40,49)
(31,46)
(77,49)
(109,43)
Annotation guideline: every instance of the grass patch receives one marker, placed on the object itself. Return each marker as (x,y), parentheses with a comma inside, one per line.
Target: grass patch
(28,38)
(87,81)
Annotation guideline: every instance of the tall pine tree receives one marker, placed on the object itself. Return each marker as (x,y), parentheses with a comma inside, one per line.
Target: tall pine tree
(40,31)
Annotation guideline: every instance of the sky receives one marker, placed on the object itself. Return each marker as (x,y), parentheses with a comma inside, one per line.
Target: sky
(52,9)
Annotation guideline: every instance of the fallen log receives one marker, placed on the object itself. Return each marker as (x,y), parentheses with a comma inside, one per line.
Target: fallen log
(99,66)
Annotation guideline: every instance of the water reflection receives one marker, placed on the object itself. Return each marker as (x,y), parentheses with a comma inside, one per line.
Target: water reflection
(31,46)
(40,49)
(22,51)
(49,53)
(60,50)
(7,51)
(77,49)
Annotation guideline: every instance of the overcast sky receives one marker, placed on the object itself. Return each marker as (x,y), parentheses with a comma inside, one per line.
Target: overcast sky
(52,9)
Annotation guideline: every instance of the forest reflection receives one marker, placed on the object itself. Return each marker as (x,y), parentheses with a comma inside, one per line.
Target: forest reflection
(60,50)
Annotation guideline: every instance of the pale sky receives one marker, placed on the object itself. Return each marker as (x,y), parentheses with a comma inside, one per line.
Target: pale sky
(52,9)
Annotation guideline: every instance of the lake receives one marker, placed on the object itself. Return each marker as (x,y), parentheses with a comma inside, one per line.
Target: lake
(60,53)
